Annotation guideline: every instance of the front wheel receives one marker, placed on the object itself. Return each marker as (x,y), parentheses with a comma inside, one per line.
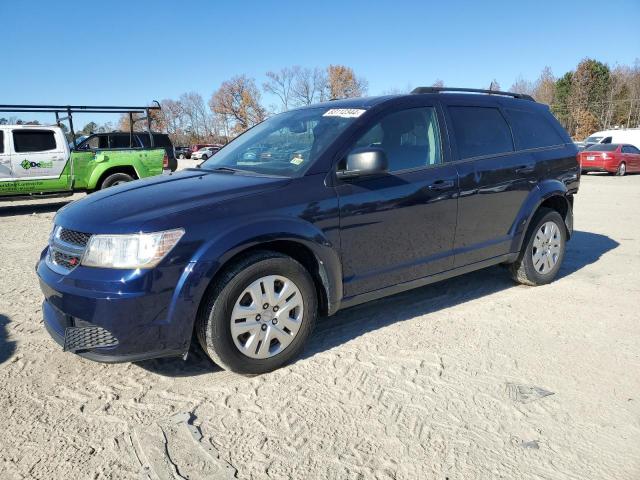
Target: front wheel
(204,157)
(543,252)
(622,169)
(259,315)
(181,156)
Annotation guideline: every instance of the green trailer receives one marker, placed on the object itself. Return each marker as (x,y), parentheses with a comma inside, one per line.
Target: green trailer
(37,160)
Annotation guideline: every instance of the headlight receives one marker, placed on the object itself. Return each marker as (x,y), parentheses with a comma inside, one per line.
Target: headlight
(140,250)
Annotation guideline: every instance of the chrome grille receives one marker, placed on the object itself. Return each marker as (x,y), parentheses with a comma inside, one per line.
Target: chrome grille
(73,237)
(65,260)
(66,248)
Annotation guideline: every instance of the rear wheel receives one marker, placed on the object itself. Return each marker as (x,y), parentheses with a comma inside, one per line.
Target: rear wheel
(181,156)
(622,169)
(542,255)
(115,179)
(204,157)
(259,315)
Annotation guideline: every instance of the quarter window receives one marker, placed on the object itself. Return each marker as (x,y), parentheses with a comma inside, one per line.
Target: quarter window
(33,140)
(1,141)
(532,130)
(410,138)
(480,131)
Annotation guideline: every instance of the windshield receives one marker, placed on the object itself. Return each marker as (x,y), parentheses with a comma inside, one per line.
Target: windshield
(79,140)
(603,147)
(593,139)
(286,144)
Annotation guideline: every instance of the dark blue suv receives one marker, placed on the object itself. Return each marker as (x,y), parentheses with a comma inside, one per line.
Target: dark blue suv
(311,211)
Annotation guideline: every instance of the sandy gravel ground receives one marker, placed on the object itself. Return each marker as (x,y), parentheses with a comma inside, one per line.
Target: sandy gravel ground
(473,378)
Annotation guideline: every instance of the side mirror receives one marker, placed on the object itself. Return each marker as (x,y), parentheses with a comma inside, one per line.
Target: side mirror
(365,161)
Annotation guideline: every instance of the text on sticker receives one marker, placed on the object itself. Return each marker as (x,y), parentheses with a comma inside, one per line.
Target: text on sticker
(344,112)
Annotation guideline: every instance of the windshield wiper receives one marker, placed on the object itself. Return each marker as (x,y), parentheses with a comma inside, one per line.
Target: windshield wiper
(226,169)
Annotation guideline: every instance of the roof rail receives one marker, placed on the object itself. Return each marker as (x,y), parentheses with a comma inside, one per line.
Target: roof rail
(522,96)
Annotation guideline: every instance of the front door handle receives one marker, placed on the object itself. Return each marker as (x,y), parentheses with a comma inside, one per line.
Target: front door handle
(525,169)
(441,185)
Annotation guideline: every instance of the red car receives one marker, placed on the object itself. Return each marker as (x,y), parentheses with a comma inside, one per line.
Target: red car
(615,158)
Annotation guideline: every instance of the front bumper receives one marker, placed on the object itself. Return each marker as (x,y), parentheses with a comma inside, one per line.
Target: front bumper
(119,315)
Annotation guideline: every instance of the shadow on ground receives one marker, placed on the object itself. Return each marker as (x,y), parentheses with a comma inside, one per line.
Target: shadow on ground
(8,210)
(584,249)
(6,347)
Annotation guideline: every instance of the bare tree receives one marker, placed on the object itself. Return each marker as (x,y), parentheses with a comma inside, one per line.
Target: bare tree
(522,86)
(237,101)
(281,84)
(438,83)
(309,86)
(494,85)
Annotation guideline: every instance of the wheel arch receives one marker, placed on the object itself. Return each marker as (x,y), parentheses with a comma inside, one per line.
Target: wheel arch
(127,169)
(551,194)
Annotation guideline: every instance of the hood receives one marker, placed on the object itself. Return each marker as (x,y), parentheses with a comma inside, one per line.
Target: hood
(144,204)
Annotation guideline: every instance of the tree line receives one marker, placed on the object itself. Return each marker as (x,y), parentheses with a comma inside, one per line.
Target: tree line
(589,98)
(237,104)
(592,97)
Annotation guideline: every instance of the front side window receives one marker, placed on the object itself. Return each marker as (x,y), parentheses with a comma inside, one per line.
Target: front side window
(480,131)
(98,142)
(286,144)
(33,140)
(410,138)
(532,130)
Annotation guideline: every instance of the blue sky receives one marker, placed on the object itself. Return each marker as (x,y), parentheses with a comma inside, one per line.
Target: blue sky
(120,52)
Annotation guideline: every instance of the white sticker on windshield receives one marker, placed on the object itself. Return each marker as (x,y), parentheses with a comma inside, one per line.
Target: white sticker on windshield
(344,112)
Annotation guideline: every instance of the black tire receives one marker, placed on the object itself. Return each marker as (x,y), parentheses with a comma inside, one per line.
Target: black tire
(204,157)
(114,179)
(523,270)
(181,156)
(213,323)
(622,170)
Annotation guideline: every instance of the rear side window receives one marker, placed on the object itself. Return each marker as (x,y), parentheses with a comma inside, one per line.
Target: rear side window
(480,131)
(1,141)
(532,130)
(625,149)
(122,141)
(33,140)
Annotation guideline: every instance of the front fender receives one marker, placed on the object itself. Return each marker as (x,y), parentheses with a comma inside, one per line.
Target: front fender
(543,191)
(214,254)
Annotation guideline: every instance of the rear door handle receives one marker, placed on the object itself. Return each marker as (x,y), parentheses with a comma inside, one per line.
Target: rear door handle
(525,169)
(441,185)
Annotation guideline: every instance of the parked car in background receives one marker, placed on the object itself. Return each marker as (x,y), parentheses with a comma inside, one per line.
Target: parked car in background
(138,140)
(615,158)
(619,135)
(376,196)
(204,153)
(199,146)
(183,152)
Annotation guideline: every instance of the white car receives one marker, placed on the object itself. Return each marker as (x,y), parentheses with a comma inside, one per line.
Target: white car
(204,153)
